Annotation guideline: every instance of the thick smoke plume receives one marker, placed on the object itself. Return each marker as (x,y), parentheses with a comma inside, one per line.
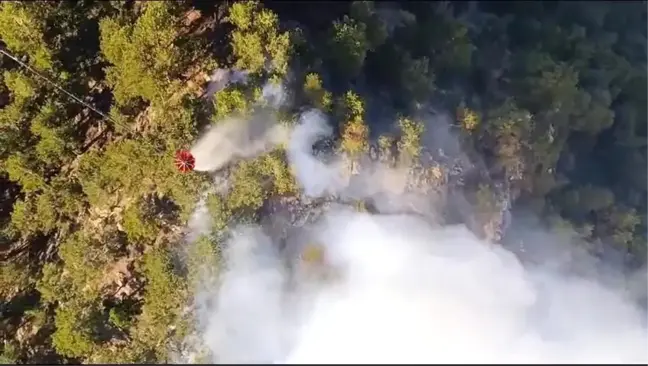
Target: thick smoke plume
(395,288)
(238,137)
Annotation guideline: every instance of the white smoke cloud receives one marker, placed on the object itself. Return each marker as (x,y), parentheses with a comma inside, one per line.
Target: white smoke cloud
(240,138)
(237,138)
(274,94)
(200,222)
(385,186)
(400,289)
(223,77)
(314,176)
(413,294)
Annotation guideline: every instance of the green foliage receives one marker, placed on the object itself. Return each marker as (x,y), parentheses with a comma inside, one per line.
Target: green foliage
(274,165)
(230,101)
(122,122)
(119,318)
(13,279)
(203,261)
(252,182)
(468,119)
(451,43)
(376,28)
(409,145)
(139,226)
(247,187)
(385,149)
(84,260)
(21,217)
(416,78)
(509,127)
(134,168)
(21,86)
(144,54)
(9,354)
(24,172)
(175,122)
(257,40)
(53,143)
(355,132)
(34,215)
(53,208)
(51,147)
(485,200)
(73,335)
(583,200)
(317,96)
(348,46)
(163,291)
(163,299)
(52,286)
(11,119)
(618,224)
(75,285)
(219,212)
(548,84)
(22,27)
(593,112)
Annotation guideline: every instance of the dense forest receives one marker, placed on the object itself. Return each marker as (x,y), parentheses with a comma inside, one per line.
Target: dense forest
(545,103)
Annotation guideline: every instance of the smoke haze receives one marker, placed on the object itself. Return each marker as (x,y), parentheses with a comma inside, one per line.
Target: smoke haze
(392,288)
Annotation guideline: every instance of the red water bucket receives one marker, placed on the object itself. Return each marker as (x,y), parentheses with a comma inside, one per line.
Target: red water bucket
(184,161)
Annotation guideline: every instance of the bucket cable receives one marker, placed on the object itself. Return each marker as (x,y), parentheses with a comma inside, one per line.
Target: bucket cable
(62,90)
(49,81)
